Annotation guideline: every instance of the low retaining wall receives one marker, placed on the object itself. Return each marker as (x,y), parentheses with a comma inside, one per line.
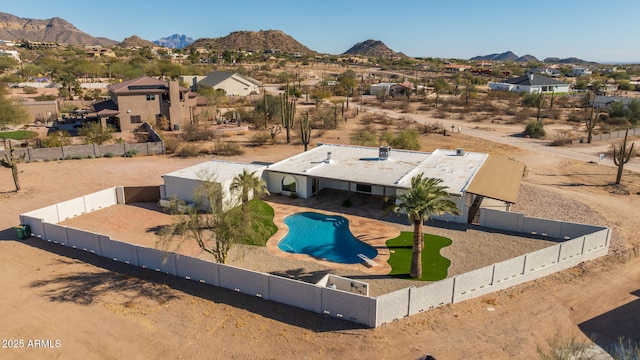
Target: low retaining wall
(587,242)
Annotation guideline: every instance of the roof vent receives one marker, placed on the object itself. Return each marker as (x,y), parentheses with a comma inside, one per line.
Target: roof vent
(328,159)
(460,152)
(384,152)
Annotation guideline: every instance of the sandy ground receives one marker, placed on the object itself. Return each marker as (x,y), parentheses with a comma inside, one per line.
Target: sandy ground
(97,308)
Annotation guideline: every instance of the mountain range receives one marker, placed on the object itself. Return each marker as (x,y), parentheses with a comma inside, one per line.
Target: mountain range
(61,31)
(510,56)
(175,41)
(50,30)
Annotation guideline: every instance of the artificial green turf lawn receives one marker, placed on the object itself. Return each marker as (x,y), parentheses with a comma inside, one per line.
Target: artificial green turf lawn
(434,265)
(262,225)
(18,134)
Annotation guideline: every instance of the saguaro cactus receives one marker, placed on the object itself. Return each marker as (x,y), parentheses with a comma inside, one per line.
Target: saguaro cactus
(305,131)
(288,111)
(621,156)
(10,162)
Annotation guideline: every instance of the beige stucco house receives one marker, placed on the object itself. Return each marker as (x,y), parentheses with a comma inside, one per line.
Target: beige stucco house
(232,83)
(165,104)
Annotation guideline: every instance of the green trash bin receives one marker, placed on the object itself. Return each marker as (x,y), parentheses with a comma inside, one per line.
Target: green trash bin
(23,231)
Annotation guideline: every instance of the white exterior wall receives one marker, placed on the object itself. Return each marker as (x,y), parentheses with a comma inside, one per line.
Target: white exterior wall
(237,87)
(274,184)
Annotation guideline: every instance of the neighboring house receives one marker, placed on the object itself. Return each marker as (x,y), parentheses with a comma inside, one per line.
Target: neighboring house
(232,83)
(603,102)
(531,84)
(11,53)
(550,72)
(608,89)
(580,71)
(473,180)
(40,111)
(456,67)
(389,89)
(145,99)
(182,184)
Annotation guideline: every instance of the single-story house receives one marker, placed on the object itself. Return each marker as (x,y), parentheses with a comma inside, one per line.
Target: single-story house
(182,184)
(531,84)
(602,102)
(232,83)
(473,180)
(580,71)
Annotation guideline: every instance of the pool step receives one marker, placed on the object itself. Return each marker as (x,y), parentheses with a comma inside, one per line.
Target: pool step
(366,259)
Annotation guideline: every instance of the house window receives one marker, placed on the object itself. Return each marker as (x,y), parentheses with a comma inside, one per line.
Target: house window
(151,97)
(363,188)
(289,184)
(136,119)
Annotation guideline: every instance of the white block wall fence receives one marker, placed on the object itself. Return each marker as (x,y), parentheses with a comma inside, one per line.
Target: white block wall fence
(582,242)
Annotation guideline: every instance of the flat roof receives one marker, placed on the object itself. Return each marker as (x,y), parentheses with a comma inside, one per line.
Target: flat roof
(220,170)
(362,165)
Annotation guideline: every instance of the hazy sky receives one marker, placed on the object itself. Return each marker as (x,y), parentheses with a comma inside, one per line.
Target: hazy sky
(604,31)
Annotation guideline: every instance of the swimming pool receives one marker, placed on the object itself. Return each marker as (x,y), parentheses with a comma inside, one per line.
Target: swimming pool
(325,237)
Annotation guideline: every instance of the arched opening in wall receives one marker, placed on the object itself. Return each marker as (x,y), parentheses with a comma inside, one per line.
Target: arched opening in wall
(289,184)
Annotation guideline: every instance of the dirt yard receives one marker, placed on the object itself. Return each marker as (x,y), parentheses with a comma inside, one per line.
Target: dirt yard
(93,307)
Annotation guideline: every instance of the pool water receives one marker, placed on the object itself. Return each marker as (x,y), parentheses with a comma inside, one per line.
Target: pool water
(325,237)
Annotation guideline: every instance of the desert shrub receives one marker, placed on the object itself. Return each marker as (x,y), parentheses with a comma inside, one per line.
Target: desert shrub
(368,119)
(195,132)
(407,139)
(171,144)
(433,127)
(189,150)
(30,90)
(130,153)
(365,137)
(94,133)
(260,138)
(575,117)
(617,122)
(109,155)
(227,148)
(535,129)
(385,120)
(441,114)
(44,97)
(562,138)
(57,139)
(424,107)
(521,116)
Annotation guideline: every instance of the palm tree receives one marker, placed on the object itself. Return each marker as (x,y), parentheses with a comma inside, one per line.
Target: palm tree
(424,199)
(247,183)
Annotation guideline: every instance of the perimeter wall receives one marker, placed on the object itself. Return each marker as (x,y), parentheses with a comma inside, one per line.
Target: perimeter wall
(584,242)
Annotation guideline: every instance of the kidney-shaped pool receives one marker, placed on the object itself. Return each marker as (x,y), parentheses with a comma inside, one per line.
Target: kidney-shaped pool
(325,237)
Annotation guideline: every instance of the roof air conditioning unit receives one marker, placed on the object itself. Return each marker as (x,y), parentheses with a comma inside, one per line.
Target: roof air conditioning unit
(384,152)
(460,152)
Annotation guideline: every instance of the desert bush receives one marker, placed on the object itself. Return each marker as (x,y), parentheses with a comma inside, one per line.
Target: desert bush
(575,117)
(433,127)
(562,138)
(365,137)
(407,139)
(29,90)
(171,143)
(617,122)
(94,133)
(130,153)
(425,107)
(388,121)
(368,119)
(45,97)
(260,138)
(535,129)
(189,150)
(227,148)
(195,132)
(57,139)
(521,116)
(441,114)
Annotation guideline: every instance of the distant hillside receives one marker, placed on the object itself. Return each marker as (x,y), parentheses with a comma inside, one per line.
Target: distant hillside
(372,48)
(527,58)
(571,60)
(175,41)
(254,41)
(135,40)
(51,30)
(505,56)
